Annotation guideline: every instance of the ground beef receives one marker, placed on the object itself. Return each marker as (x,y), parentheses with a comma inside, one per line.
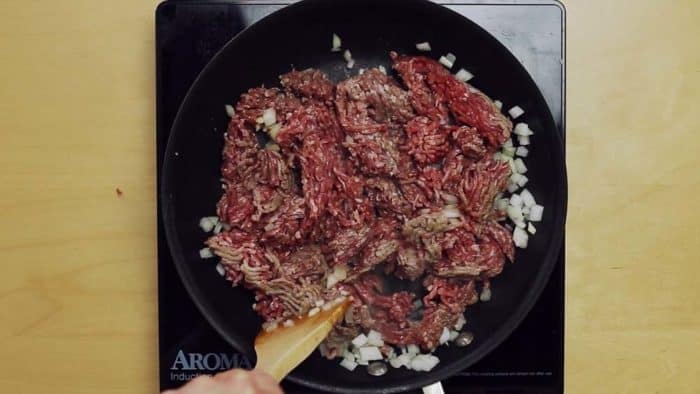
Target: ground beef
(433,87)
(368,177)
(479,187)
(427,141)
(309,83)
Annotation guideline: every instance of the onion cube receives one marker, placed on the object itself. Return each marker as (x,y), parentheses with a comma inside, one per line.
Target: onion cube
(423,46)
(515,213)
(461,321)
(230,111)
(522,180)
(206,253)
(464,75)
(523,140)
(374,338)
(424,362)
(520,166)
(337,43)
(412,349)
(522,151)
(516,200)
(269,117)
(360,340)
(536,212)
(520,238)
(522,129)
(445,62)
(515,112)
(528,198)
(531,229)
(348,364)
(370,353)
(445,336)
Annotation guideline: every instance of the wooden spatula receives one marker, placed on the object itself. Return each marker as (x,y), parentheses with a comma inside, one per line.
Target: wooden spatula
(281,350)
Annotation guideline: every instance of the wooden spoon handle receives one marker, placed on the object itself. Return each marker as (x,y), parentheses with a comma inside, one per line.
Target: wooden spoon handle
(282,350)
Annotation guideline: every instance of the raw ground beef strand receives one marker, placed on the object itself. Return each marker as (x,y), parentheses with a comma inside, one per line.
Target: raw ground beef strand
(363,177)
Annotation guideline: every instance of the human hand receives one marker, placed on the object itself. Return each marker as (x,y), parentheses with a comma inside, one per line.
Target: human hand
(235,381)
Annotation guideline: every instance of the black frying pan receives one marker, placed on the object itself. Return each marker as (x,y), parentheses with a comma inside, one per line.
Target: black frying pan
(300,36)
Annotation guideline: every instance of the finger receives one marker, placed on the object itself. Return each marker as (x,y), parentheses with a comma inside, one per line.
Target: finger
(199,385)
(265,383)
(236,381)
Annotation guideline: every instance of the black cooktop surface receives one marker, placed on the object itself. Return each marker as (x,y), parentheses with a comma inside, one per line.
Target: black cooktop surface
(188,35)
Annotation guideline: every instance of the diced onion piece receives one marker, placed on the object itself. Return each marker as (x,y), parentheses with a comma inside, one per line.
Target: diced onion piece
(528,198)
(464,75)
(423,46)
(498,104)
(361,71)
(269,117)
(348,354)
(522,181)
(485,295)
(523,140)
(531,229)
(515,112)
(359,340)
(513,187)
(348,364)
(412,349)
(451,212)
(450,198)
(218,227)
(347,55)
(445,62)
(520,238)
(516,201)
(424,362)
(338,274)
(370,353)
(508,143)
(502,204)
(509,151)
(515,213)
(522,151)
(453,335)
(445,336)
(520,224)
(337,43)
(522,129)
(451,57)
(230,111)
(273,130)
(207,223)
(351,63)
(220,269)
(374,338)
(536,212)
(206,253)
(382,69)
(401,361)
(461,321)
(520,166)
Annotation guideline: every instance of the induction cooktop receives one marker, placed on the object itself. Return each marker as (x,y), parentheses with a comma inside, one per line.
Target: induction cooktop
(190,33)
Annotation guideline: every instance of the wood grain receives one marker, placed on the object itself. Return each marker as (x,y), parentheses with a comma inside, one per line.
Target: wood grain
(78,288)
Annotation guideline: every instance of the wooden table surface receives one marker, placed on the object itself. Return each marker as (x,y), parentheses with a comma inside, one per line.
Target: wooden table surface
(78,282)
